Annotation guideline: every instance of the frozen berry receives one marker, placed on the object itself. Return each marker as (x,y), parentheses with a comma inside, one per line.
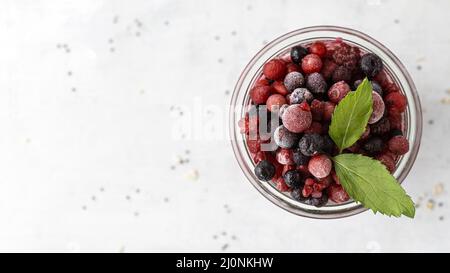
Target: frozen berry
(320,166)
(299,157)
(346,55)
(297,54)
(342,73)
(265,170)
(311,63)
(275,69)
(293,179)
(311,144)
(296,118)
(282,109)
(281,185)
(399,145)
(254,145)
(260,94)
(371,65)
(397,101)
(284,156)
(318,48)
(297,195)
(381,127)
(375,86)
(299,95)
(280,88)
(316,83)
(387,161)
(338,91)
(328,110)
(263,81)
(337,194)
(328,67)
(317,108)
(396,121)
(285,138)
(317,202)
(315,128)
(374,145)
(377,107)
(293,80)
(274,102)
(291,67)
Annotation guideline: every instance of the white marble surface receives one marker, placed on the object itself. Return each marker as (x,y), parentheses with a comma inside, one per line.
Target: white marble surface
(85,158)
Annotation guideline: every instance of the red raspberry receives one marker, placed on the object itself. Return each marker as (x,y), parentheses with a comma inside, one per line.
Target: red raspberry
(281,185)
(318,187)
(275,69)
(338,91)
(399,145)
(311,63)
(285,157)
(280,88)
(396,101)
(328,110)
(320,166)
(387,161)
(337,194)
(315,128)
(259,156)
(347,56)
(260,94)
(274,102)
(254,146)
(291,67)
(395,120)
(318,48)
(317,108)
(328,68)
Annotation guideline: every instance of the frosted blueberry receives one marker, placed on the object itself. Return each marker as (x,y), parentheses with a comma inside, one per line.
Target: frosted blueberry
(284,138)
(299,95)
(293,80)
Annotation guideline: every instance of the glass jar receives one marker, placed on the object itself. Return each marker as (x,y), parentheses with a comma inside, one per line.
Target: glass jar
(240,100)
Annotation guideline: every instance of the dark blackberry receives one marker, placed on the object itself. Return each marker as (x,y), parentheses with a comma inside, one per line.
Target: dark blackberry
(342,73)
(328,145)
(374,145)
(311,144)
(317,202)
(347,56)
(293,179)
(316,83)
(297,54)
(264,170)
(299,157)
(381,127)
(371,65)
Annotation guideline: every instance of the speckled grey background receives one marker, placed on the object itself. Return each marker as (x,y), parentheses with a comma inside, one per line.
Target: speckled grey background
(89,94)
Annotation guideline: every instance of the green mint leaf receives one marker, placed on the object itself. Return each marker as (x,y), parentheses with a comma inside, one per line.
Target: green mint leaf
(351,115)
(368,181)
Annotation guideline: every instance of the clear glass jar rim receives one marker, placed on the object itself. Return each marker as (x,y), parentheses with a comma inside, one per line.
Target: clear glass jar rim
(247,77)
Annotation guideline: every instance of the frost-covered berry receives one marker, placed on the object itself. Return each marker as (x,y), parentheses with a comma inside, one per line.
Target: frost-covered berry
(317,202)
(342,73)
(320,166)
(293,179)
(299,95)
(297,54)
(296,118)
(294,80)
(274,102)
(316,83)
(337,194)
(299,158)
(311,144)
(311,63)
(338,91)
(284,156)
(285,138)
(275,69)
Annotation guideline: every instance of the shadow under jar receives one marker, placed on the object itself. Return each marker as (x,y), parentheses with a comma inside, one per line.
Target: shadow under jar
(240,102)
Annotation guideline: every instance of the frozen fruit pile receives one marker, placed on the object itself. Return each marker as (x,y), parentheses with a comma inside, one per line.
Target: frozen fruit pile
(302,89)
